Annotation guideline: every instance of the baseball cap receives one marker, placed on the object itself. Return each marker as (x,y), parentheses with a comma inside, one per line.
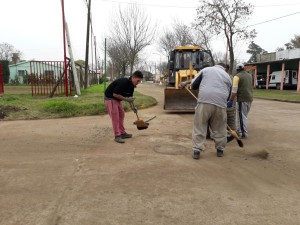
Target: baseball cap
(240,66)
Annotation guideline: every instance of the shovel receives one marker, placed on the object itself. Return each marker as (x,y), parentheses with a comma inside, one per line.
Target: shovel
(232,132)
(140,124)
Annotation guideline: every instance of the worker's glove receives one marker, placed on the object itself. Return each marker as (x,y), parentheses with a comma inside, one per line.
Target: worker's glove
(184,83)
(129,99)
(230,104)
(133,108)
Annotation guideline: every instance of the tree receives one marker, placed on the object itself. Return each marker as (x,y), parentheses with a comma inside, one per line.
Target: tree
(288,45)
(202,37)
(167,42)
(5,71)
(80,62)
(219,57)
(117,52)
(182,33)
(131,29)
(162,67)
(295,42)
(179,35)
(7,50)
(279,49)
(226,17)
(254,49)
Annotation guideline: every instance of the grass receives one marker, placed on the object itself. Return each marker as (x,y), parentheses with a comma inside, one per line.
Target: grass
(286,95)
(20,105)
(91,102)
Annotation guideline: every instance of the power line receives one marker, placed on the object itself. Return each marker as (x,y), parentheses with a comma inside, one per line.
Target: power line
(151,5)
(190,7)
(288,4)
(273,19)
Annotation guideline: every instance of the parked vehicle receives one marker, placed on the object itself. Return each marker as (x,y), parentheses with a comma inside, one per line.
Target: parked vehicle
(290,79)
(184,64)
(261,81)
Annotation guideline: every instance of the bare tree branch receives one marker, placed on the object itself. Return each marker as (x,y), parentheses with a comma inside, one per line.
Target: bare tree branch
(131,29)
(227,17)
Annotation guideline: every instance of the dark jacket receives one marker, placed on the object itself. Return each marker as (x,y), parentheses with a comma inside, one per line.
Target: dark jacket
(121,86)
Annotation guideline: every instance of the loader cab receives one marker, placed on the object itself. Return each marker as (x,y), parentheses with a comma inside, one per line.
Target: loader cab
(184,64)
(182,60)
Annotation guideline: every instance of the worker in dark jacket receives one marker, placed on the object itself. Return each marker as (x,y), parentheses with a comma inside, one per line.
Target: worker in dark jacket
(121,90)
(242,90)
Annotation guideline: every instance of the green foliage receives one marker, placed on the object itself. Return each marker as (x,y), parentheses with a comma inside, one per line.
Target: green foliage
(10,98)
(286,95)
(58,106)
(80,62)
(5,69)
(254,49)
(296,41)
(91,102)
(93,89)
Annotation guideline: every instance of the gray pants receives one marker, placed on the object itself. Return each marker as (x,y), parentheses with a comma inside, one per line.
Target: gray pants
(231,117)
(217,118)
(242,111)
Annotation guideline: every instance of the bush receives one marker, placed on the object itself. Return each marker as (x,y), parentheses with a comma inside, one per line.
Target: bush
(5,68)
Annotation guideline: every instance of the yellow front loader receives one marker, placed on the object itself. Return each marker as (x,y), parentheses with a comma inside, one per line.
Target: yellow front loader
(184,64)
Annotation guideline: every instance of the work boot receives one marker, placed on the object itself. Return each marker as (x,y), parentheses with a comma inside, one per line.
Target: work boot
(119,139)
(244,136)
(196,154)
(220,153)
(125,135)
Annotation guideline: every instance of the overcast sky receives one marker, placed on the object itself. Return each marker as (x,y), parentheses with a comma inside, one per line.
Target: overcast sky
(35,26)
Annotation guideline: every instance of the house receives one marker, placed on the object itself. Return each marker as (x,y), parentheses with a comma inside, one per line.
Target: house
(19,72)
(42,70)
(277,62)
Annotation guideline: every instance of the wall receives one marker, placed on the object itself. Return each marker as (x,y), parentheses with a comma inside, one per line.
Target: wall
(266,57)
(288,54)
(14,68)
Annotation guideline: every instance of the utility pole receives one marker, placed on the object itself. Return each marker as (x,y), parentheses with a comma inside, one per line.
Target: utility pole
(96,59)
(87,47)
(105,65)
(65,51)
(77,86)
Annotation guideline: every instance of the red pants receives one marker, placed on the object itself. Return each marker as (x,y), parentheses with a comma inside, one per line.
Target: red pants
(116,112)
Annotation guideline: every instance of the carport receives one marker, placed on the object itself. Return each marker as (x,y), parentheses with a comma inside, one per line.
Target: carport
(268,67)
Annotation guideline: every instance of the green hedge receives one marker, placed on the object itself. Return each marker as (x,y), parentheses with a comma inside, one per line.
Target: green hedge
(5,71)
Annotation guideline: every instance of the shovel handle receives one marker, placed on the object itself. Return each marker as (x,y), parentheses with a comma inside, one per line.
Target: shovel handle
(191,92)
(132,105)
(150,119)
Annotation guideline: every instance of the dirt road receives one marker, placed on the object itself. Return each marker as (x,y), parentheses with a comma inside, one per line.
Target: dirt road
(71,172)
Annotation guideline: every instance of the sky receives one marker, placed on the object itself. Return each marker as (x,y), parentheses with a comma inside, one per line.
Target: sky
(35,26)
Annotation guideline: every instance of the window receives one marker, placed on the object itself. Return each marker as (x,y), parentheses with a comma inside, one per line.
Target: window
(295,75)
(21,72)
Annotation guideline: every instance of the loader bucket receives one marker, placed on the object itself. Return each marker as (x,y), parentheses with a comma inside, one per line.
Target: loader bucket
(179,99)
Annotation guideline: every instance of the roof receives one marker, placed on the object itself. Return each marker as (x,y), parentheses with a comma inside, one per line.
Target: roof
(272,62)
(17,64)
(276,65)
(188,47)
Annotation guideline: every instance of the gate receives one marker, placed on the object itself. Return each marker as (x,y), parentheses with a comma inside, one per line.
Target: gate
(1,80)
(48,76)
